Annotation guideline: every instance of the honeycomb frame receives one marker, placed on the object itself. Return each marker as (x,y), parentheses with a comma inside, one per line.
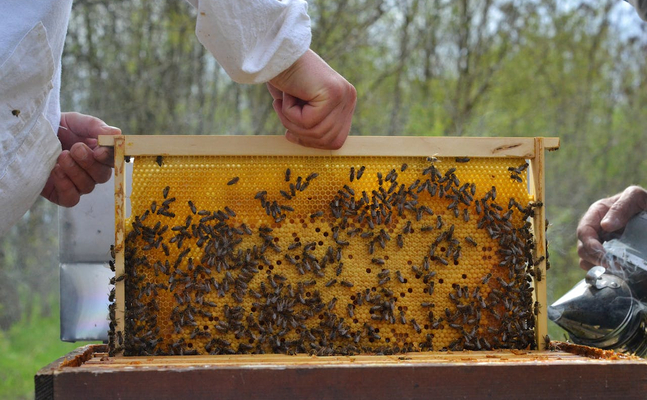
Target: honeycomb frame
(399,151)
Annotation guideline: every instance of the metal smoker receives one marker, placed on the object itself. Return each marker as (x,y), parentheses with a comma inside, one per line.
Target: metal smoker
(608,308)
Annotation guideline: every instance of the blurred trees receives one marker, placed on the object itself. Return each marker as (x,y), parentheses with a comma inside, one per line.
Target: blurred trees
(436,67)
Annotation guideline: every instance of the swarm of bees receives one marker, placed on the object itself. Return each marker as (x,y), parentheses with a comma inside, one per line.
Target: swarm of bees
(363,256)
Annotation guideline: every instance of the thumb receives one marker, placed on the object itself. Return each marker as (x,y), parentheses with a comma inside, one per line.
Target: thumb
(110,130)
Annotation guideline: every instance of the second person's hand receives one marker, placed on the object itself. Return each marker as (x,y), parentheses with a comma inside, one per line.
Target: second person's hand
(604,217)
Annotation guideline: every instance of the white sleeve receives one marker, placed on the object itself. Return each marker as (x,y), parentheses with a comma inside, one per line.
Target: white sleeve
(28,144)
(641,7)
(253,40)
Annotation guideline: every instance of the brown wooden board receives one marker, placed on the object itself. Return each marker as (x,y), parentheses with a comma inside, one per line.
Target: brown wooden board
(89,373)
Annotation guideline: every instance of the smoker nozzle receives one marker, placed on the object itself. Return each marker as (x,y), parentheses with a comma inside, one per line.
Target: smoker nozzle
(596,311)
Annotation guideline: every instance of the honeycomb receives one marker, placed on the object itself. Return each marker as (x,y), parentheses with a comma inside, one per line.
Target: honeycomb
(327,255)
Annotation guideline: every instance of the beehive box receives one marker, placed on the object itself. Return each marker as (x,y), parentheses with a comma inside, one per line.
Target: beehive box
(89,373)
(389,245)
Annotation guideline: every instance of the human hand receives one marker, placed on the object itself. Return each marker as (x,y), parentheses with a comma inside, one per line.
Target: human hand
(314,103)
(82,163)
(603,218)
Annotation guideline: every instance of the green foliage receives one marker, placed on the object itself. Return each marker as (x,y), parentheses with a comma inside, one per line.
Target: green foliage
(28,346)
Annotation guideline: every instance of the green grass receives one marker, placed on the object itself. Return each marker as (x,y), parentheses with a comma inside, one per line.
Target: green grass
(30,344)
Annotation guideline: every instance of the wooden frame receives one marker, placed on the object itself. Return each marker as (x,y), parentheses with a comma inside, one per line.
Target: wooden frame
(529,148)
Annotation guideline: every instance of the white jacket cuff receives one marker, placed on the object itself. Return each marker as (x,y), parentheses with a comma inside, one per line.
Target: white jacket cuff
(253,40)
(641,7)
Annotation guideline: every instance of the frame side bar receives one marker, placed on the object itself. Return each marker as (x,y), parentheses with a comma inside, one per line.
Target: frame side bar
(120,229)
(539,225)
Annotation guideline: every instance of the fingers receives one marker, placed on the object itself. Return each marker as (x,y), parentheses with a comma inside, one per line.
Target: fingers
(274,92)
(85,161)
(604,217)
(591,253)
(76,127)
(77,171)
(60,190)
(105,156)
(67,182)
(324,125)
(589,233)
(631,201)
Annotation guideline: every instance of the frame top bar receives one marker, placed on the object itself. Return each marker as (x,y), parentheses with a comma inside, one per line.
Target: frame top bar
(371,146)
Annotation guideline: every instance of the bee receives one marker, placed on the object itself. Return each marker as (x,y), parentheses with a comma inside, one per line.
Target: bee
(384,280)
(287,175)
(352,173)
(516,178)
(471,241)
(191,206)
(347,284)
(415,325)
(159,160)
(360,172)
(378,261)
(547,341)
(403,168)
(316,214)
(537,307)
(15,113)
(233,181)
(310,177)
(331,282)
(351,311)
(332,303)
(462,159)
(165,191)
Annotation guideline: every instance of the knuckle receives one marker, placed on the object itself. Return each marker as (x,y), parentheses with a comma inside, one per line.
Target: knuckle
(638,194)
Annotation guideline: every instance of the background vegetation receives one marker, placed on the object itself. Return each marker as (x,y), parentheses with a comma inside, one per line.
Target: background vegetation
(573,69)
